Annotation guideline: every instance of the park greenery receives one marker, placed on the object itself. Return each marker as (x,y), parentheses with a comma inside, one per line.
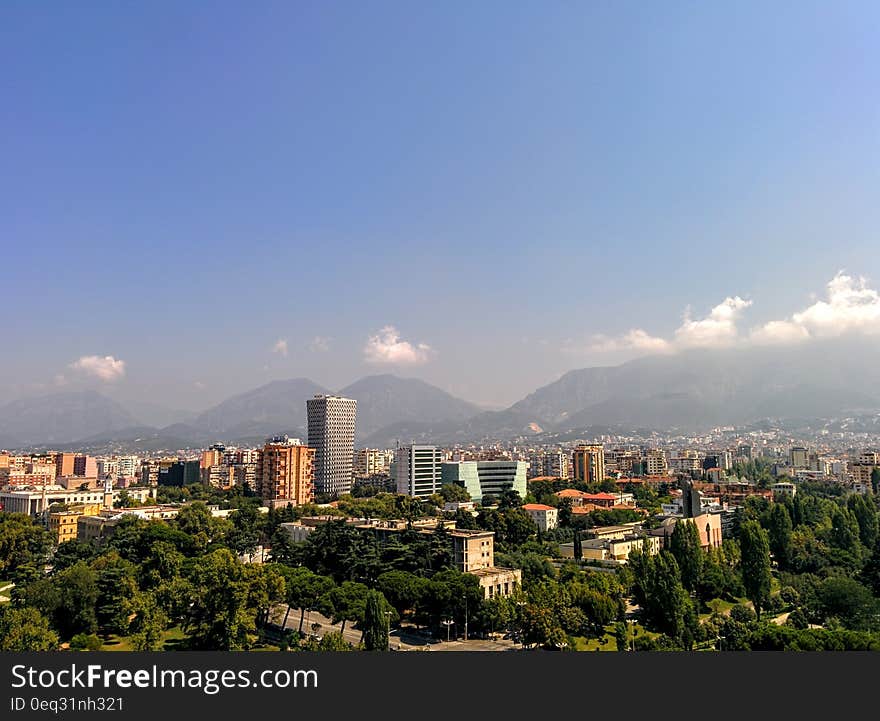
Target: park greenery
(799,573)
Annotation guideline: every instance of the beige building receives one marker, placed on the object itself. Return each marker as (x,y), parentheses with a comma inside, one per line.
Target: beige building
(708,525)
(74,482)
(94,528)
(546,518)
(34,501)
(498,581)
(588,463)
(786,488)
(285,473)
(655,462)
(474,552)
(372,462)
(63,524)
(618,549)
(861,472)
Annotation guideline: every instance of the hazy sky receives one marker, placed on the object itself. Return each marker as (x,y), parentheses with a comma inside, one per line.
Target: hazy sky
(197,198)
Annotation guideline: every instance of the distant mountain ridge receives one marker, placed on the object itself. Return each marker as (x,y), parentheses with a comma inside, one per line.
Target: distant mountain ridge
(690,391)
(60,417)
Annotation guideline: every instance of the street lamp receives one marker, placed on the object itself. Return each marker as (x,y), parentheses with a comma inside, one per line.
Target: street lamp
(522,635)
(632,635)
(465,617)
(447,622)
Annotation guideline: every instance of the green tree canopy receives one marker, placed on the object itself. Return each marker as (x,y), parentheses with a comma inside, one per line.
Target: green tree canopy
(25,629)
(685,547)
(376,623)
(779,530)
(755,550)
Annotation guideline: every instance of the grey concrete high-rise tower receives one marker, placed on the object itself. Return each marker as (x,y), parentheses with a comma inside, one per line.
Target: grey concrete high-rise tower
(331,434)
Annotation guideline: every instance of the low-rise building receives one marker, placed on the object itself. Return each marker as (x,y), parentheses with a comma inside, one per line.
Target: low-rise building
(709,527)
(546,518)
(298,532)
(35,500)
(786,488)
(63,522)
(95,528)
(497,581)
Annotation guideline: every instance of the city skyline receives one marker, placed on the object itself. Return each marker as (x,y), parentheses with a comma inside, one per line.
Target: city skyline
(335,192)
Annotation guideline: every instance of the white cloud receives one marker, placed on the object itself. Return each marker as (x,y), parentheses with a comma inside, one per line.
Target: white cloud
(107,368)
(635,339)
(319,344)
(781,332)
(198,385)
(850,306)
(718,329)
(386,346)
(280,347)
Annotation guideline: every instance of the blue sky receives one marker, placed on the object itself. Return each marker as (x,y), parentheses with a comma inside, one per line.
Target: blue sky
(512,187)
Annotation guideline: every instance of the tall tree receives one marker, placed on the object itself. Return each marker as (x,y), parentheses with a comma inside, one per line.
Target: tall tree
(779,530)
(685,546)
(755,550)
(844,531)
(117,588)
(621,636)
(377,613)
(865,511)
(668,602)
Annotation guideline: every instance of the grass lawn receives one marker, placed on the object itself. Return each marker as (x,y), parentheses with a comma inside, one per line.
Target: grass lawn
(172,640)
(595,644)
(717,605)
(610,642)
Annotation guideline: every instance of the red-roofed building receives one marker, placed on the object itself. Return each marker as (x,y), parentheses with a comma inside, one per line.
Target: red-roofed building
(584,509)
(546,518)
(650,480)
(603,500)
(543,478)
(576,496)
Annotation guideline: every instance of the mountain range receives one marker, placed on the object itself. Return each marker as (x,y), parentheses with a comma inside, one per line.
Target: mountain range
(688,391)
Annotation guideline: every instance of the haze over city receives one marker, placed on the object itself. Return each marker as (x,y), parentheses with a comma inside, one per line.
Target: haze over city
(403,327)
(211,198)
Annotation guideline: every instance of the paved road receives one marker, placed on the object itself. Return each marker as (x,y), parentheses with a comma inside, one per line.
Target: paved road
(401,639)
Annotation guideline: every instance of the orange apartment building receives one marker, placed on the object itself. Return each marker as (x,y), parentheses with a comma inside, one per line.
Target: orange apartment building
(285,474)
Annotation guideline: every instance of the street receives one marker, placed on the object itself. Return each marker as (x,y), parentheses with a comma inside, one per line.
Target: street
(406,638)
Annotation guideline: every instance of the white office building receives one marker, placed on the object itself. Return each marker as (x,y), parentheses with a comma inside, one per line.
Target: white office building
(331,421)
(418,470)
